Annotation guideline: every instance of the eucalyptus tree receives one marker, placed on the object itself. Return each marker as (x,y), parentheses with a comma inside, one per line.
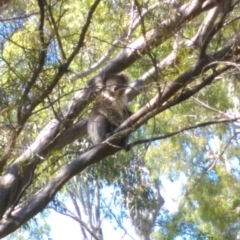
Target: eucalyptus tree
(183,59)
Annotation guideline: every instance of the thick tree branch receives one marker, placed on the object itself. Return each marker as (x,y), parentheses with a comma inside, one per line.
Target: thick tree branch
(115,45)
(19,175)
(153,38)
(24,212)
(124,59)
(156,104)
(75,106)
(41,199)
(205,27)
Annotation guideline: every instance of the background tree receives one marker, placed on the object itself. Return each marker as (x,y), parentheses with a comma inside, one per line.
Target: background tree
(184,56)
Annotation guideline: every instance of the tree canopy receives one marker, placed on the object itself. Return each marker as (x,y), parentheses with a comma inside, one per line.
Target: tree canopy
(183,61)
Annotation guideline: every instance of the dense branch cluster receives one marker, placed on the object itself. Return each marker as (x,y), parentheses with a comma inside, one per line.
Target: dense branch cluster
(138,40)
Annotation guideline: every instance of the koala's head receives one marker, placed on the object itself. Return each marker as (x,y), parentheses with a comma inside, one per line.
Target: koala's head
(115,84)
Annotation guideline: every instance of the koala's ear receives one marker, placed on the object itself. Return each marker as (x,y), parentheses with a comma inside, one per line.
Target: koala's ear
(124,77)
(95,84)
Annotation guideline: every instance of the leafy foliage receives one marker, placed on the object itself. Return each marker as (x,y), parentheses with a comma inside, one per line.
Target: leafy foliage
(183,61)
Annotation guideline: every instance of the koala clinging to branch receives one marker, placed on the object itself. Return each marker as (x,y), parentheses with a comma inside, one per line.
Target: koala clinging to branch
(110,109)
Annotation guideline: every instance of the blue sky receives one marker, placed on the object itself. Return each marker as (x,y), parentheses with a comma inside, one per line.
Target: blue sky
(63,227)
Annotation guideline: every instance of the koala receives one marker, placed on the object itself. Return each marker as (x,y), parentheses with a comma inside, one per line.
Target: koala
(110,109)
